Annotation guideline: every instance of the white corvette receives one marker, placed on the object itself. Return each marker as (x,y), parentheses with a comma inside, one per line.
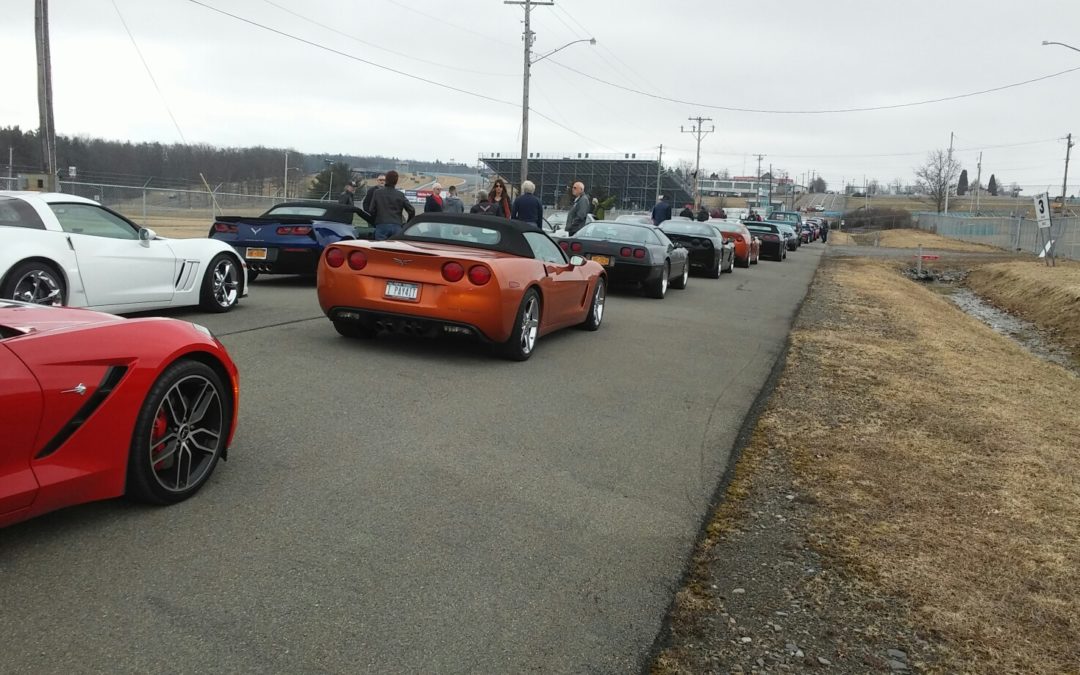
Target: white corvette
(61,249)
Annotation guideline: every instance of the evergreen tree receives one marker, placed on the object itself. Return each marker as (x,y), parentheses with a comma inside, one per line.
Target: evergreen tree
(993,186)
(962,184)
(330,182)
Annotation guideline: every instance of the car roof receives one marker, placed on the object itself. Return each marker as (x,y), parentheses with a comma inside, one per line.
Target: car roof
(46,197)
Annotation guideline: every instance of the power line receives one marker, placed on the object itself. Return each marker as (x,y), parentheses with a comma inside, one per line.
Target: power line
(815,112)
(386,49)
(603,47)
(149,72)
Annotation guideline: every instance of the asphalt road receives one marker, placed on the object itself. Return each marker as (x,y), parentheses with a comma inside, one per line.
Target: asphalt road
(831,203)
(417,506)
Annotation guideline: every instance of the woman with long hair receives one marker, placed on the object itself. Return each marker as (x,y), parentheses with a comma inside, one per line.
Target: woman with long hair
(499,198)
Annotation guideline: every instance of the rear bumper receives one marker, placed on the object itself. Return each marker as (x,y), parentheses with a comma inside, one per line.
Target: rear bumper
(281,259)
(405,324)
(629,273)
(702,258)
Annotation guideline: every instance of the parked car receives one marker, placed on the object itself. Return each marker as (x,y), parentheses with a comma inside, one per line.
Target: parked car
(747,246)
(95,406)
(556,220)
(497,280)
(290,237)
(773,241)
(792,238)
(637,219)
(59,249)
(710,251)
(633,254)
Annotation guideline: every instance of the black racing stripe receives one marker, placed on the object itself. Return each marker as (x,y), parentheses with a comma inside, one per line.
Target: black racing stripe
(112,377)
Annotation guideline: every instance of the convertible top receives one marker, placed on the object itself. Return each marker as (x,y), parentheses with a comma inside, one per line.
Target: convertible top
(338,213)
(511,232)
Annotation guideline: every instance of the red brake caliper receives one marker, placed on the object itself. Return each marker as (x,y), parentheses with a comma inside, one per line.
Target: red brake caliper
(161,426)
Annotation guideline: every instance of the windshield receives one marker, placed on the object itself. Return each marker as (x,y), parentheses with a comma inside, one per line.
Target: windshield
(785,217)
(617,232)
(696,229)
(639,219)
(453,233)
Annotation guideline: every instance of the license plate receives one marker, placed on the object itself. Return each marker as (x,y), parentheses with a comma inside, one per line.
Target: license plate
(256,254)
(602,259)
(401,290)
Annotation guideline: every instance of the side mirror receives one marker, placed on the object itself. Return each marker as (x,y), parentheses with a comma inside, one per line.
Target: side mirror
(577,261)
(146,234)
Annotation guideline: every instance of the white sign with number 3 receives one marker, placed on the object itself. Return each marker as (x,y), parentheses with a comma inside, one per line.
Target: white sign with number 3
(1042,209)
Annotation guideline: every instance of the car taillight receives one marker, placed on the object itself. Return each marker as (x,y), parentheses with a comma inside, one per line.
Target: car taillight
(453,271)
(639,253)
(564,245)
(626,251)
(335,257)
(576,247)
(298,229)
(479,275)
(225,227)
(770,237)
(357,260)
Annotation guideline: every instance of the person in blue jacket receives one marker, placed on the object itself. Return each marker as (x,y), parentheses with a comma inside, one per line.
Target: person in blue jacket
(527,207)
(661,212)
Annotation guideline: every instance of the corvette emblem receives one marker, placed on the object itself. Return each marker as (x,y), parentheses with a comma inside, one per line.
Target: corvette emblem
(256,230)
(402,261)
(79,389)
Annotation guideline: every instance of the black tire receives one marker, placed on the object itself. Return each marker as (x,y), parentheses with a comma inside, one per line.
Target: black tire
(683,280)
(744,263)
(354,329)
(40,279)
(754,261)
(148,479)
(220,294)
(596,314)
(516,348)
(658,288)
(717,267)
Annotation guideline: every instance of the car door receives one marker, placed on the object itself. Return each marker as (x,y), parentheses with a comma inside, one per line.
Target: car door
(116,266)
(563,285)
(20,415)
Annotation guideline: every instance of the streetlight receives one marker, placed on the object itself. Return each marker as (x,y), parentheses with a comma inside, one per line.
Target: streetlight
(529,61)
(1047,42)
(330,192)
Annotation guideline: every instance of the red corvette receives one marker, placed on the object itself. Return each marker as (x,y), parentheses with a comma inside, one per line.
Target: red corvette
(94,406)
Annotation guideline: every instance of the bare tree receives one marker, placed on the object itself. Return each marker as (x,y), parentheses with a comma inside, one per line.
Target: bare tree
(937,175)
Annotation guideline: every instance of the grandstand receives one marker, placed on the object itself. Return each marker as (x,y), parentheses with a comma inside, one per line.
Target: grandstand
(631,178)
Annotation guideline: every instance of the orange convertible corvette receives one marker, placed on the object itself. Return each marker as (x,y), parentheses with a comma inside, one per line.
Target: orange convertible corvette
(501,281)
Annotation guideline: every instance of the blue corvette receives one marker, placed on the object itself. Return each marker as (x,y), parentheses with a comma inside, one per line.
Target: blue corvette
(290,237)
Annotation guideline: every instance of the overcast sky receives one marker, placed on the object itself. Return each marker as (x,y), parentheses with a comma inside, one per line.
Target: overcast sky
(232,84)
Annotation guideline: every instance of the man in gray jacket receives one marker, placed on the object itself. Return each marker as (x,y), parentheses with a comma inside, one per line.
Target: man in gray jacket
(453,203)
(578,215)
(386,208)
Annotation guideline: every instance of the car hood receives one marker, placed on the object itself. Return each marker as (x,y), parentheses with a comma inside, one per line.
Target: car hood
(26,318)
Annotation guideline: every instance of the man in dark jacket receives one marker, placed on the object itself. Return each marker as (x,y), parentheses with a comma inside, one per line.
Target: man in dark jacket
(702,214)
(483,206)
(346,196)
(387,206)
(527,207)
(366,205)
(661,211)
(824,232)
(434,201)
(687,212)
(578,216)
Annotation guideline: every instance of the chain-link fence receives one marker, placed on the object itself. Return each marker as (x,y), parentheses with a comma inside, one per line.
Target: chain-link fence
(1013,234)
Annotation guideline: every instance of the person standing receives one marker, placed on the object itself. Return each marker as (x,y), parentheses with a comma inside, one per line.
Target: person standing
(379,182)
(825,232)
(453,203)
(702,214)
(661,211)
(578,215)
(527,207)
(346,196)
(434,201)
(387,206)
(500,199)
(483,205)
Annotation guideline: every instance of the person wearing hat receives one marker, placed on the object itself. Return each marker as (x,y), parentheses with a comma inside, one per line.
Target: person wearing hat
(346,197)
(661,211)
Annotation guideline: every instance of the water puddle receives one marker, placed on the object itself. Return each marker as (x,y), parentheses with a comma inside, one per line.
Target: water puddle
(1022,332)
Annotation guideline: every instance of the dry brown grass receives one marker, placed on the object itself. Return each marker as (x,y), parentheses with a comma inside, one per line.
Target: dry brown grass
(956,205)
(910,238)
(841,238)
(1046,296)
(945,465)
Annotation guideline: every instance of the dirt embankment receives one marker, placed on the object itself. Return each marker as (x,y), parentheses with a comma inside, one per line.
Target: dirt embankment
(910,238)
(1049,297)
(930,464)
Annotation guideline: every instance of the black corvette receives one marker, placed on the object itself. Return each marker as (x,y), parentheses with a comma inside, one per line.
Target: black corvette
(705,244)
(633,254)
(772,239)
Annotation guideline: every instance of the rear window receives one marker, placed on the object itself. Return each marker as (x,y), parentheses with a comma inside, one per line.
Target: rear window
(304,211)
(617,232)
(17,213)
(696,229)
(453,233)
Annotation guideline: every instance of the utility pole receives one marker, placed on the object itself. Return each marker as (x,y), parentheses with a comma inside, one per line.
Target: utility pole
(699,132)
(10,161)
(660,173)
(285,183)
(47,129)
(528,40)
(1065,182)
(948,170)
(978,184)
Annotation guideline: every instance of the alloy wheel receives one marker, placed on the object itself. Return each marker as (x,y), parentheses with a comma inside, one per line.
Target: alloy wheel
(187,431)
(226,283)
(598,301)
(530,323)
(38,287)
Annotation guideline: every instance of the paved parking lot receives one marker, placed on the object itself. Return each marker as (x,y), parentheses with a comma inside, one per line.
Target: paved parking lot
(408,505)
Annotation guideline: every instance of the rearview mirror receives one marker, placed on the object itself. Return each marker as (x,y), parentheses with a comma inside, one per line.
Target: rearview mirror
(577,261)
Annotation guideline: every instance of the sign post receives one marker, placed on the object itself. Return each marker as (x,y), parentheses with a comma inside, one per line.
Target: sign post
(1046,230)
